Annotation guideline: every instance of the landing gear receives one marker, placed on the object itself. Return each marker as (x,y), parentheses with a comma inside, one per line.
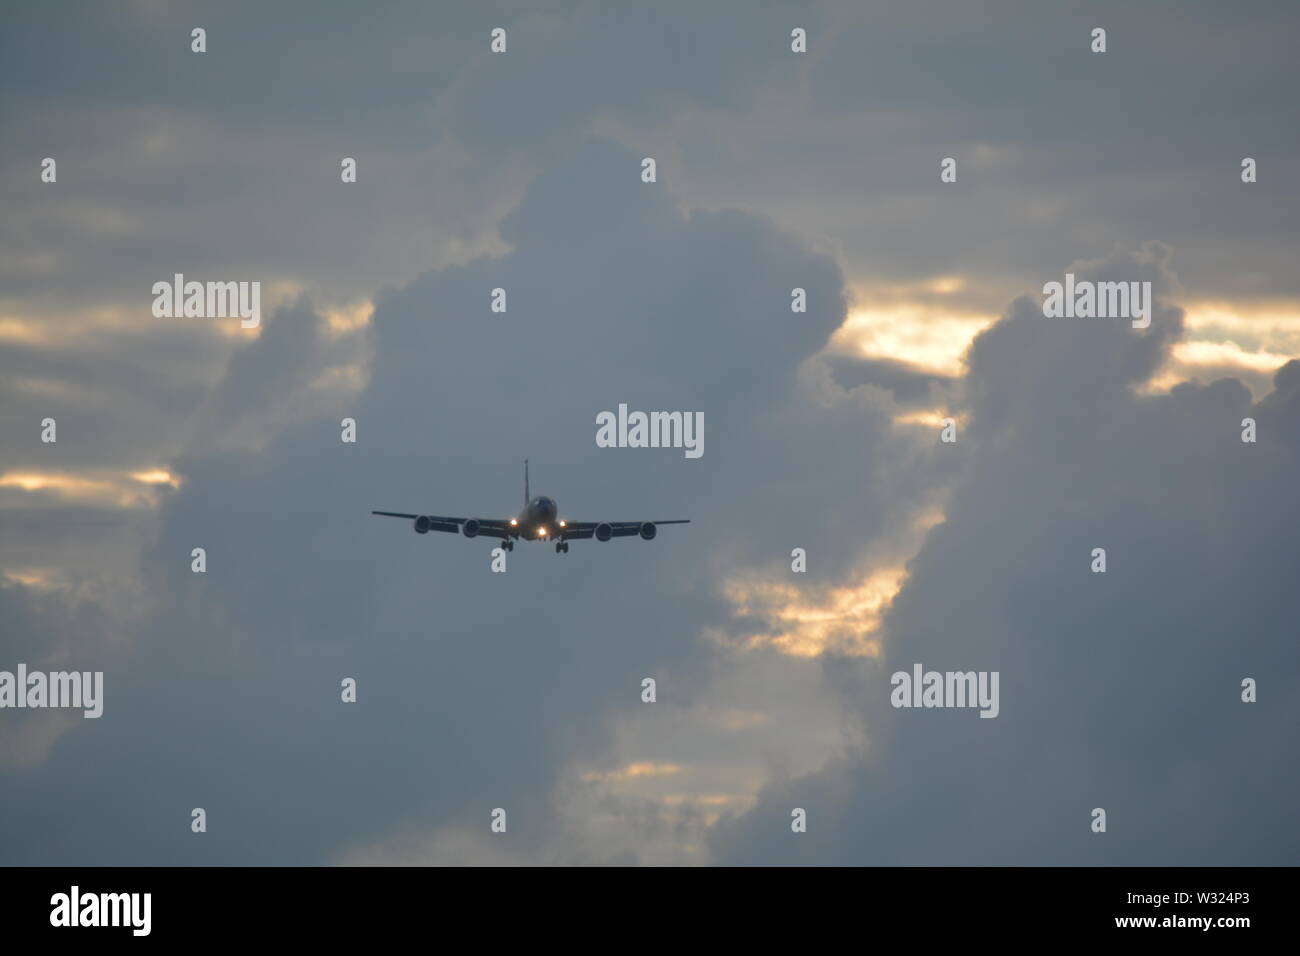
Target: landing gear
(561,547)
(508,545)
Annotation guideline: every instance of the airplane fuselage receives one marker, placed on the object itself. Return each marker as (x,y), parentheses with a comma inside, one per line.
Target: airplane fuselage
(538,521)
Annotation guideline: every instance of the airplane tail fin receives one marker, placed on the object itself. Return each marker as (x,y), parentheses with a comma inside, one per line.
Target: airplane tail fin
(527,496)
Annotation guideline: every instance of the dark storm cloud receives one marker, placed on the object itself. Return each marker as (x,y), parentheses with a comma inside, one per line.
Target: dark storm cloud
(1118,690)
(476,689)
(908,385)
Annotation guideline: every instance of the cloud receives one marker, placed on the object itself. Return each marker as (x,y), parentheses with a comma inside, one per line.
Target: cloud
(1118,690)
(522,171)
(476,690)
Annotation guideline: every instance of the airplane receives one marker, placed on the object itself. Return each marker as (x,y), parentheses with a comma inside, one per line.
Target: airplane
(538,521)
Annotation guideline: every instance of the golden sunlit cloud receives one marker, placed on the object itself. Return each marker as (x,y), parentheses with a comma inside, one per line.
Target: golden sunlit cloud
(66,484)
(348,319)
(275,296)
(1255,318)
(632,771)
(41,579)
(1250,343)
(933,418)
(14,329)
(104,488)
(1228,353)
(157,476)
(946,285)
(921,322)
(932,338)
(706,799)
(708,807)
(808,622)
(912,292)
(68,326)
(910,323)
(840,620)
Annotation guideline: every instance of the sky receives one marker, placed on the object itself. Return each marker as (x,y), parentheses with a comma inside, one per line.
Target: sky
(523,690)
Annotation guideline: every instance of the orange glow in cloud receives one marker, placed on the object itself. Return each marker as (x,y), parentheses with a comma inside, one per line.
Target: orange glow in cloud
(101,488)
(157,476)
(918,324)
(842,620)
(932,418)
(807,622)
(932,338)
(341,321)
(644,768)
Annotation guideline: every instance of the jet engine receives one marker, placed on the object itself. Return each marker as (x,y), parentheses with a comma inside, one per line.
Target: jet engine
(470,528)
(604,531)
(422,524)
(648,530)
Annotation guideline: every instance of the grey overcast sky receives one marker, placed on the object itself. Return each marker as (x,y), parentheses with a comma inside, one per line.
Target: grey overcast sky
(775,170)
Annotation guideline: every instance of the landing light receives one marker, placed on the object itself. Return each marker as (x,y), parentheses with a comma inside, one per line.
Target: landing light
(564,524)
(513,522)
(542,532)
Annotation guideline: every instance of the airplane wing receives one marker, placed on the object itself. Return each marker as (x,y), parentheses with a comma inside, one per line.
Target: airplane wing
(576,530)
(487,527)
